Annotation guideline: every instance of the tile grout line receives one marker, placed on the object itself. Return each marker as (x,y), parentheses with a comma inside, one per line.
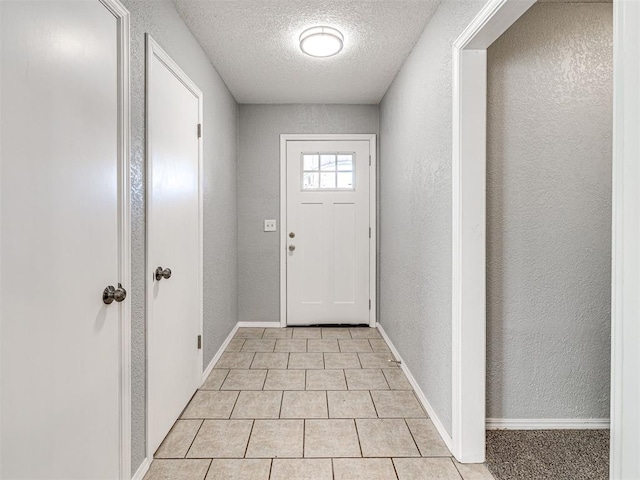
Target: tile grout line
(304,434)
(374,404)
(208,468)
(225,378)
(393,464)
(281,404)
(326,396)
(355,424)
(385,379)
(346,383)
(265,379)
(221,383)
(270,468)
(253,359)
(413,437)
(246,449)
(192,441)
(234,405)
(457,469)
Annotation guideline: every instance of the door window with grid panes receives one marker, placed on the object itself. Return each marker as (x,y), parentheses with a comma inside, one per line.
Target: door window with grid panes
(328,171)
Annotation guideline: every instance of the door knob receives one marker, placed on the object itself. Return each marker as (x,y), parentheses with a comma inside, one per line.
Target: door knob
(292,248)
(110,294)
(163,273)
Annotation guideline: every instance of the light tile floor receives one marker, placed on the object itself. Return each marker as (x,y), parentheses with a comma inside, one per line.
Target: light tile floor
(306,403)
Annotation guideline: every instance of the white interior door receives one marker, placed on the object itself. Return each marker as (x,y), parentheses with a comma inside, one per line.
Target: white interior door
(174,112)
(328,221)
(60,160)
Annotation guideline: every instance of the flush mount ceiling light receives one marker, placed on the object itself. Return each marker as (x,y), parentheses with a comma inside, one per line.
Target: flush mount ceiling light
(321,41)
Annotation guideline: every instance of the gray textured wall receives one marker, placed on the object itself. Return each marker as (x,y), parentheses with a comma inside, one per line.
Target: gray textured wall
(415,206)
(160,18)
(549,214)
(259,132)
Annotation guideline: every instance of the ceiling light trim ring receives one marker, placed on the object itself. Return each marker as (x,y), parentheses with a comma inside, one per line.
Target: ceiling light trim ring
(321,41)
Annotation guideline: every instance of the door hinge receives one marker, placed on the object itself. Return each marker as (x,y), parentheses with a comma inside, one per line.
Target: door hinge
(369,160)
(199,342)
(369,304)
(369,232)
(199,130)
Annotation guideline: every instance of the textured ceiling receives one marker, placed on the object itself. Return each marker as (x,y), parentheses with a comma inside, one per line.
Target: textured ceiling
(254,46)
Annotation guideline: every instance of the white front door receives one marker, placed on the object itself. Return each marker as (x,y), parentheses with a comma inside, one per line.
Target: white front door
(328,222)
(174,248)
(60,223)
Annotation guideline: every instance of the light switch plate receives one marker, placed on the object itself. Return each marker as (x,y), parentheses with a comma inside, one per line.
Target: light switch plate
(269,225)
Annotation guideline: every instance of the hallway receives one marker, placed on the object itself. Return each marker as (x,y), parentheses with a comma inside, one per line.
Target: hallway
(306,403)
(320,240)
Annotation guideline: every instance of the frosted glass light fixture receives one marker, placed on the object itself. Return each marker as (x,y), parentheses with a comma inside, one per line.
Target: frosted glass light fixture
(321,41)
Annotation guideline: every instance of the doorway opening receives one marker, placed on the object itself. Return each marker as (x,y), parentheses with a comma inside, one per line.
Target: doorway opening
(469,224)
(549,157)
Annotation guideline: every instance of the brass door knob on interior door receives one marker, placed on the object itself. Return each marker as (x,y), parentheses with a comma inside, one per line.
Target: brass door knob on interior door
(292,248)
(163,273)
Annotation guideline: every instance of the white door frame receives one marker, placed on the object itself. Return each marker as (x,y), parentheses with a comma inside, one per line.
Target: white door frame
(153,49)
(469,237)
(625,303)
(124,229)
(371,138)
(469,224)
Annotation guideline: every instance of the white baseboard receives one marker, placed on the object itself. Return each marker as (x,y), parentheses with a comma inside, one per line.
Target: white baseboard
(547,423)
(142,470)
(418,391)
(260,324)
(218,354)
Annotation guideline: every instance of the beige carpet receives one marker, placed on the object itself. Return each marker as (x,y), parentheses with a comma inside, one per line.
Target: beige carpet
(548,454)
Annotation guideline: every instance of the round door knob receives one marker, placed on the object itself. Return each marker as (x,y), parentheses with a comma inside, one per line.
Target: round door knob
(111,293)
(120,294)
(163,273)
(292,248)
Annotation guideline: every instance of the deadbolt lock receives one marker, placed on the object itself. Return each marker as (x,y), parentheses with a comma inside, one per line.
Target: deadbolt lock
(292,235)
